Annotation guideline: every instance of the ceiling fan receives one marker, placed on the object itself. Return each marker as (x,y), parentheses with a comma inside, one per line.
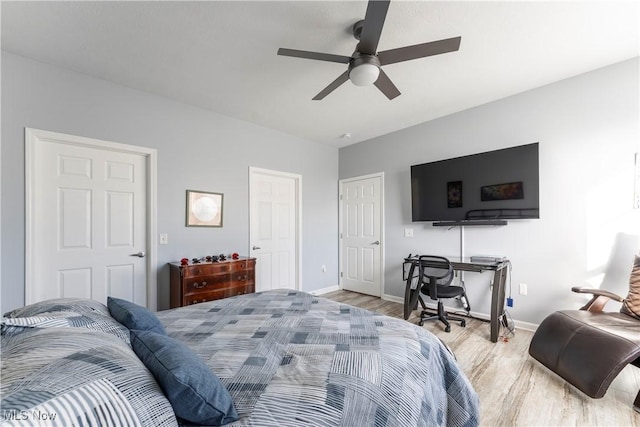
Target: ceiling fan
(365,62)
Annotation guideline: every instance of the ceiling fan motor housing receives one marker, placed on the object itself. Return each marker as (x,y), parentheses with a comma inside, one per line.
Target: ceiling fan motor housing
(359,58)
(357,29)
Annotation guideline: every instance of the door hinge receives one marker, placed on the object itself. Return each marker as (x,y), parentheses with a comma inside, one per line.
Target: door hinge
(341,235)
(341,197)
(341,274)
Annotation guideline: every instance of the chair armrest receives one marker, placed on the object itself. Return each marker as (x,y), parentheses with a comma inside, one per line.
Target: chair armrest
(599,292)
(599,299)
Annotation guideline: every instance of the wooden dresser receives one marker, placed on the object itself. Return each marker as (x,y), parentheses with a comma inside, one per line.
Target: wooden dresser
(208,281)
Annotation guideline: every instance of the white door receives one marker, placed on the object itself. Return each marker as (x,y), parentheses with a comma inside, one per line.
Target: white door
(86,219)
(361,234)
(275,228)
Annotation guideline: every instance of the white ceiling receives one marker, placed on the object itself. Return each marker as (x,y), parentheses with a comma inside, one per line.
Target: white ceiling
(221,55)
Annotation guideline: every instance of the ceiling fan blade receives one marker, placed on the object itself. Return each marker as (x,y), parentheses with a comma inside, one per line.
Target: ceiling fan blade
(332,86)
(372,26)
(386,86)
(314,55)
(419,51)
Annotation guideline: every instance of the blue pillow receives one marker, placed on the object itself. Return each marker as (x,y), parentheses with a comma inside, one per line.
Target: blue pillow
(195,393)
(134,316)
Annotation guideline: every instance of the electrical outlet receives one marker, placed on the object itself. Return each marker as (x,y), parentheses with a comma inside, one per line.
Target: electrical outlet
(509,302)
(164,239)
(408,232)
(523,289)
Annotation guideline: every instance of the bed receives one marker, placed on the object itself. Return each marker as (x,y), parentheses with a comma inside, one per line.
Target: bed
(283,358)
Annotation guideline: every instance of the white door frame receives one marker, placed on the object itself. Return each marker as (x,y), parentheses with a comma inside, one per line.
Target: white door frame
(298,210)
(382,235)
(31,136)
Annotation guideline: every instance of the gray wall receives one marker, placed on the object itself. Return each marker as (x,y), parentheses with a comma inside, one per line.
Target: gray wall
(197,149)
(587,126)
(588,130)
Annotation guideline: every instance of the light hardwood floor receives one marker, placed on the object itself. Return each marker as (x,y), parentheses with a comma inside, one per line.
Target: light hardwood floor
(514,389)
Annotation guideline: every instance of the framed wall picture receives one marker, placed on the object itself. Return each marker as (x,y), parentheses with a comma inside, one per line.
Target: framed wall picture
(454,194)
(204,209)
(508,191)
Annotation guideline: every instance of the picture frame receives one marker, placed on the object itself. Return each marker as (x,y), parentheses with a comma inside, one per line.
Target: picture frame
(204,209)
(454,194)
(507,191)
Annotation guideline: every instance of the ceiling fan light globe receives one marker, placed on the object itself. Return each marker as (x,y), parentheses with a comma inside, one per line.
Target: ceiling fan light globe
(364,74)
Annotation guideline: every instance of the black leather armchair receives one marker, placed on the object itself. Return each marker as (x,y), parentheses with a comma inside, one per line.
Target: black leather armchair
(589,347)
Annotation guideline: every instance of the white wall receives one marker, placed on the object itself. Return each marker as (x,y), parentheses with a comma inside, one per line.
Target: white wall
(197,149)
(588,130)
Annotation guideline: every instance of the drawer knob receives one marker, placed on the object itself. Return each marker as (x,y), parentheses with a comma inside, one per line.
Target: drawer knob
(199,285)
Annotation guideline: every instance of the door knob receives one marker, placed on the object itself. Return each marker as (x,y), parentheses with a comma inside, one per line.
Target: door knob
(140,254)
(377,242)
(255,248)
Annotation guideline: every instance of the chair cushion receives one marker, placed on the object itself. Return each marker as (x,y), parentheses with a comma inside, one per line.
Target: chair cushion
(444,291)
(572,344)
(631,304)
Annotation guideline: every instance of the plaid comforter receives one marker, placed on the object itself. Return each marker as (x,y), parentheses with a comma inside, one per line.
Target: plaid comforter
(293,359)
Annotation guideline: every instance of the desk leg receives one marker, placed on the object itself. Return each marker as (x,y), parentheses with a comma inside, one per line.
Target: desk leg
(497,301)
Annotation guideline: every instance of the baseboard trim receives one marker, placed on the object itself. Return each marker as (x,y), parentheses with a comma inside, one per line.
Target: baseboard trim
(518,323)
(526,325)
(325,290)
(393,298)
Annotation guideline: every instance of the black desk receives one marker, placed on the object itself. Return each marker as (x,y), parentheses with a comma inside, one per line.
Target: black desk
(500,270)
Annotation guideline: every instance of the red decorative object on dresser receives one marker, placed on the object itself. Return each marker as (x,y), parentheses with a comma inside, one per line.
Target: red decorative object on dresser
(208,281)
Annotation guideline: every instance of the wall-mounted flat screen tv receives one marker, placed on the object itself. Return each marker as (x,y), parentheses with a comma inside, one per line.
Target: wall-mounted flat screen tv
(495,185)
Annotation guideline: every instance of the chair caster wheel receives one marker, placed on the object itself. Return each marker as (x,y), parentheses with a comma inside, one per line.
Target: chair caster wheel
(447,329)
(420,323)
(463,323)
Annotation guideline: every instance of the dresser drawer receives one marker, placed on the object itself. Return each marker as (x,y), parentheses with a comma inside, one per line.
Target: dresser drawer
(249,264)
(206,269)
(206,283)
(240,277)
(218,267)
(217,294)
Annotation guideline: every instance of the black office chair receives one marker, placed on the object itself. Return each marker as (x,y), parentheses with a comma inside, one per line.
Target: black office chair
(434,278)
